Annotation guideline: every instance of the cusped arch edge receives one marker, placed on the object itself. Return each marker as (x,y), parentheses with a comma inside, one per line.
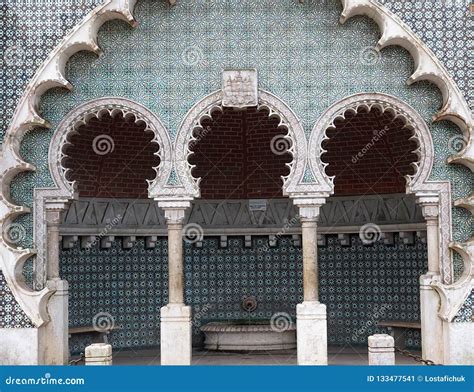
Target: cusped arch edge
(188,186)
(418,184)
(79,116)
(84,36)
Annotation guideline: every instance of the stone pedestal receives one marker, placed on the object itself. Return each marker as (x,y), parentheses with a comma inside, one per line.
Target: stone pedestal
(98,354)
(311,333)
(54,335)
(431,323)
(381,350)
(176,335)
(458,343)
(20,346)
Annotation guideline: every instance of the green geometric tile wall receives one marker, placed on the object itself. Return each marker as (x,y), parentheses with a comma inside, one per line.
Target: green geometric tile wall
(306,58)
(359,284)
(466,312)
(11,313)
(31,29)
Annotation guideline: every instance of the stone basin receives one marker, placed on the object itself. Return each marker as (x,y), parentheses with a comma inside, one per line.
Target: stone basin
(248,336)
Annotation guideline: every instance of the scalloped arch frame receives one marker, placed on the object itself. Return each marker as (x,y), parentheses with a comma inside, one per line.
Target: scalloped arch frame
(187,187)
(84,37)
(82,114)
(65,190)
(418,184)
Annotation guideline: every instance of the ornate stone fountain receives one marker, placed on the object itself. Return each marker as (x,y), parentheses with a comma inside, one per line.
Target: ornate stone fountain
(278,333)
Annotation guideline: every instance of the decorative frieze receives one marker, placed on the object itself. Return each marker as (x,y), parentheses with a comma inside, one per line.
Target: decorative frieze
(87,241)
(272,240)
(69,241)
(296,240)
(248,241)
(388,238)
(344,239)
(217,217)
(106,242)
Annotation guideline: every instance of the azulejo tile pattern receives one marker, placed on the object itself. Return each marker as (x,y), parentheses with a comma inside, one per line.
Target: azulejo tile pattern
(466,313)
(306,58)
(444,26)
(361,285)
(31,29)
(11,314)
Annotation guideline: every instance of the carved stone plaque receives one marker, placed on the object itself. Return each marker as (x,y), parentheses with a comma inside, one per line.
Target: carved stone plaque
(240,88)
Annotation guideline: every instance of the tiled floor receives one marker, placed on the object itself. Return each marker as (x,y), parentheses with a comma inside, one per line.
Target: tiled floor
(337,356)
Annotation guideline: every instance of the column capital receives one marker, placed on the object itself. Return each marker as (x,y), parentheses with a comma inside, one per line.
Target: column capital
(53,217)
(429,207)
(54,209)
(56,204)
(309,208)
(175,211)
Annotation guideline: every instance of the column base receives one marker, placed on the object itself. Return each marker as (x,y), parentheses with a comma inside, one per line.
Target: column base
(431,323)
(20,346)
(176,335)
(311,333)
(54,341)
(458,343)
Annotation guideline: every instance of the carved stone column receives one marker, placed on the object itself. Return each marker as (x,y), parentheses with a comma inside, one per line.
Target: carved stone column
(311,314)
(54,336)
(431,323)
(176,331)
